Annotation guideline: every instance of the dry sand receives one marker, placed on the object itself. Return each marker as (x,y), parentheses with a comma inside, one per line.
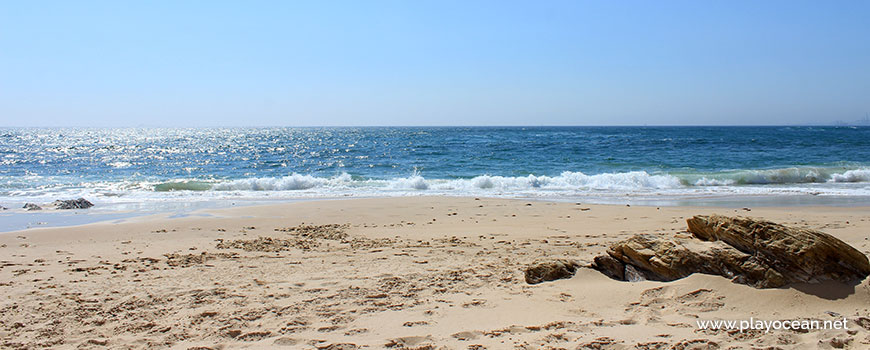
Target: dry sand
(421,272)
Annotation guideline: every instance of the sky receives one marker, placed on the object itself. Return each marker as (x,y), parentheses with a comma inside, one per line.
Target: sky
(440,62)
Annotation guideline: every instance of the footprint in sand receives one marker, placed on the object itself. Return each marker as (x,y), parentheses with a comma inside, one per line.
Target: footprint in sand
(339,346)
(696,344)
(408,341)
(601,343)
(285,341)
(700,300)
(467,335)
(356,331)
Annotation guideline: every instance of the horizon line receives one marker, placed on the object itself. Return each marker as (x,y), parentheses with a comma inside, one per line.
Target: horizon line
(426,126)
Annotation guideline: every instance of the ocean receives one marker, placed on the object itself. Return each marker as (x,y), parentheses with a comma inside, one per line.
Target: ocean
(168,166)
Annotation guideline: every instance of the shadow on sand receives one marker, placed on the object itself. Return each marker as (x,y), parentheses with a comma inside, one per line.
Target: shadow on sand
(830,290)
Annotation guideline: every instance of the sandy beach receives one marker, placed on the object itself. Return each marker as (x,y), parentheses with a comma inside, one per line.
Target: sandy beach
(434,175)
(412,272)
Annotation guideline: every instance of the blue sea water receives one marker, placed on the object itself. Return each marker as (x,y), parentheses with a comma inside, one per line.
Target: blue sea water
(174,164)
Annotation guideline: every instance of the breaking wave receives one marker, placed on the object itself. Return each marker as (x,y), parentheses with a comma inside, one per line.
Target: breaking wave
(794,175)
(835,181)
(286,183)
(568,180)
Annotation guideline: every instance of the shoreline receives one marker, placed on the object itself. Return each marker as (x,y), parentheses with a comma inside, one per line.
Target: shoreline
(19,219)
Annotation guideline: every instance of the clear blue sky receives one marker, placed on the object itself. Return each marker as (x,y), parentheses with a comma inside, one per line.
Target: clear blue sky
(294,63)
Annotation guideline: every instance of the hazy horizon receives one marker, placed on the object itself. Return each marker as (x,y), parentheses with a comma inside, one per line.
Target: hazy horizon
(145,126)
(394,63)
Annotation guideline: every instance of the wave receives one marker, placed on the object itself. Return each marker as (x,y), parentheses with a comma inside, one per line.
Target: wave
(287,183)
(824,181)
(568,180)
(782,176)
(182,186)
(857,175)
(837,181)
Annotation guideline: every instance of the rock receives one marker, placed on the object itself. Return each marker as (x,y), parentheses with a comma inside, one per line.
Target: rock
(609,266)
(550,270)
(648,257)
(803,255)
(80,203)
(633,275)
(31,206)
(758,253)
(3,208)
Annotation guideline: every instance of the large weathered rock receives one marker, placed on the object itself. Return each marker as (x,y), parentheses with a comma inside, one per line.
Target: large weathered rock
(758,253)
(802,255)
(542,271)
(667,259)
(80,203)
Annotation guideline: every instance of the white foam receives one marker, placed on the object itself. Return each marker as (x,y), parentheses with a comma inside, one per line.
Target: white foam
(414,182)
(834,181)
(120,165)
(568,180)
(857,175)
(704,181)
(287,183)
(783,176)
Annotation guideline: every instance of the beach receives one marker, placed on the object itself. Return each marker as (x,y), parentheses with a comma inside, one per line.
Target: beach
(421,272)
(426,175)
